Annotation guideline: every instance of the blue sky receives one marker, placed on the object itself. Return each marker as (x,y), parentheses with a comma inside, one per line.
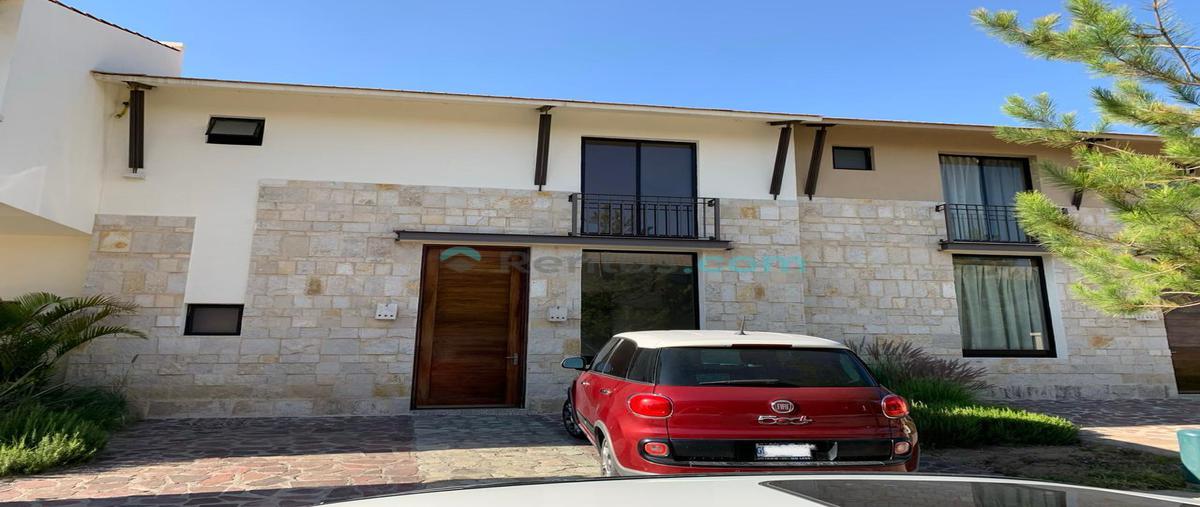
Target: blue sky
(912,60)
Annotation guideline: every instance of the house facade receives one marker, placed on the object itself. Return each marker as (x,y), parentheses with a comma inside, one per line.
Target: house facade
(315,250)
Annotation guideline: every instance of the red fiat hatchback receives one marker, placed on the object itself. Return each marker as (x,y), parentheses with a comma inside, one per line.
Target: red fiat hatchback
(660,402)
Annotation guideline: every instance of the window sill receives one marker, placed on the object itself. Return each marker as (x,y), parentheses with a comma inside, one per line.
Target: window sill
(1032,354)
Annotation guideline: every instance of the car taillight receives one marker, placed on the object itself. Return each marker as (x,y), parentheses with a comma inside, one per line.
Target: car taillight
(894,406)
(657,449)
(650,405)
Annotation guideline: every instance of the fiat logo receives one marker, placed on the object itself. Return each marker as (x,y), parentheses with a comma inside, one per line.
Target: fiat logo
(783,406)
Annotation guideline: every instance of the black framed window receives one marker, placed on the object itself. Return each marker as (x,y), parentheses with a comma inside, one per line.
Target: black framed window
(636,291)
(992,181)
(209,319)
(240,131)
(1003,307)
(853,158)
(639,187)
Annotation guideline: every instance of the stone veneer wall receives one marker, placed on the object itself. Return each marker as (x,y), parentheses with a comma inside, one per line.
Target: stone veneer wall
(754,281)
(875,273)
(143,259)
(324,254)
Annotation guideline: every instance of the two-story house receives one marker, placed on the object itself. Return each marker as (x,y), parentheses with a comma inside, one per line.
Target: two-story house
(307,250)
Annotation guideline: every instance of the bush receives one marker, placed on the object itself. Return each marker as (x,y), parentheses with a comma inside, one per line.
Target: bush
(934,391)
(896,363)
(942,397)
(950,425)
(62,427)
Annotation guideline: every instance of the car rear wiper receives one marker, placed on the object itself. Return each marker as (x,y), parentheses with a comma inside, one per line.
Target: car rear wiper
(762,381)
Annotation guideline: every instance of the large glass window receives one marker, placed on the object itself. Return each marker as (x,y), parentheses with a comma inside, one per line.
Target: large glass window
(980,193)
(983,180)
(639,188)
(636,291)
(1002,306)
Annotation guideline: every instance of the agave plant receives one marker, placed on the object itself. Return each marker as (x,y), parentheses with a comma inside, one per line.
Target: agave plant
(37,329)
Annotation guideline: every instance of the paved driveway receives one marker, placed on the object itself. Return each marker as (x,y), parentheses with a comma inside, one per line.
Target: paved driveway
(1148,425)
(294,461)
(289,461)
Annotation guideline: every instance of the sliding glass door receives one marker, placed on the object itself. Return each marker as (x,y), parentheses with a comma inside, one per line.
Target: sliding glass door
(980,193)
(639,188)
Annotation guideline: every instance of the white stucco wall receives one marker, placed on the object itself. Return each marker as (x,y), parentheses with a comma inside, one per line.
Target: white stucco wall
(52,133)
(310,137)
(10,15)
(36,263)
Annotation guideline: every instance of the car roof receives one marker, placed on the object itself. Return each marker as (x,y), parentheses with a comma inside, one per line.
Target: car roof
(790,490)
(714,338)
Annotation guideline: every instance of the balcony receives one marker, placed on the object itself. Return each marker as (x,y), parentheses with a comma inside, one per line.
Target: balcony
(984,227)
(628,216)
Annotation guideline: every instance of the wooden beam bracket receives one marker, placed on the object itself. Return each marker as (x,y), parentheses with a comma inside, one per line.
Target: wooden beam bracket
(814,162)
(542,158)
(781,153)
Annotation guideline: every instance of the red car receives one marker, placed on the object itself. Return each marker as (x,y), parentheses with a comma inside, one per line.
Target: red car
(662,402)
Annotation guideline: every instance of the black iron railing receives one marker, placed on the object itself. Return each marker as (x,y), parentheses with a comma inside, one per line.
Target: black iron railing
(645,216)
(983,223)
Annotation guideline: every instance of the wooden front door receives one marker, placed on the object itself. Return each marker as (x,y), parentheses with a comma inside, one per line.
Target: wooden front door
(1183,336)
(471,330)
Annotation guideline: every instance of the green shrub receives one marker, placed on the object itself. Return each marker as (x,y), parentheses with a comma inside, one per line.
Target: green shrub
(895,363)
(949,425)
(62,427)
(934,391)
(104,407)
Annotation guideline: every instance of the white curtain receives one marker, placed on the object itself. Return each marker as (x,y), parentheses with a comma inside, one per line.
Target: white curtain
(1003,178)
(961,180)
(1000,303)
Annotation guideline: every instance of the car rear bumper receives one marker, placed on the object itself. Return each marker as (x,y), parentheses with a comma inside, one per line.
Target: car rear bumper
(715,456)
(644,467)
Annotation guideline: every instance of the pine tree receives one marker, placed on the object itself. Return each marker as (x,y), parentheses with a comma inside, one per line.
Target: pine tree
(1153,260)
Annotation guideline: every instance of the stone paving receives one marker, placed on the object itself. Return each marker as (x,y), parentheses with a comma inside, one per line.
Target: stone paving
(1148,425)
(303,461)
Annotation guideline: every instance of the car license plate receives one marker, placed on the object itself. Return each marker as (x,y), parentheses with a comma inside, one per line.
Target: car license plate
(785,451)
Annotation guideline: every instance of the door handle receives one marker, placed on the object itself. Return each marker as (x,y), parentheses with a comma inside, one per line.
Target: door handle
(513,357)
(606,391)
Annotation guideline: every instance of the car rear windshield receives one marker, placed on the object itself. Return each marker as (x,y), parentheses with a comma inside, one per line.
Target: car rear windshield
(766,367)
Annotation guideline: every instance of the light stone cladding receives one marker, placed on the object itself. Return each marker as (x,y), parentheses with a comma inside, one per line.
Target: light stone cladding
(325,253)
(754,280)
(875,273)
(144,260)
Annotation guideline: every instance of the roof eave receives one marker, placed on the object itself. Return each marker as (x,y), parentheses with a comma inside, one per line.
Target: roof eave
(963,127)
(169,81)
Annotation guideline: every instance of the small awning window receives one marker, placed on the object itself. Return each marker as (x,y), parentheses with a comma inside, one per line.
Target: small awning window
(243,131)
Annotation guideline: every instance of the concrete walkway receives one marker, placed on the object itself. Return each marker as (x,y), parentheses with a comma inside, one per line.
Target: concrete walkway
(1148,425)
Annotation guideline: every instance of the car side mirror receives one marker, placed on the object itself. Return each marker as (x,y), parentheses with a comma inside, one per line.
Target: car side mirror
(575,363)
